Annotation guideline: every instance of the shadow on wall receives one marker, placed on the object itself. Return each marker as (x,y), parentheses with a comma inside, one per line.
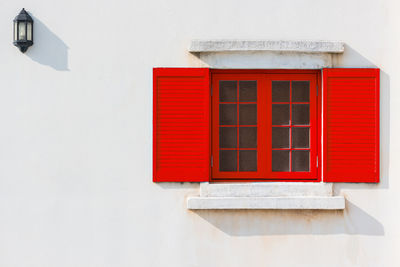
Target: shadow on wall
(384,119)
(351,221)
(349,59)
(48,48)
(352,59)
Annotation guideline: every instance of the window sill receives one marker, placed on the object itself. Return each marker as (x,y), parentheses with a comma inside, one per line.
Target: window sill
(266,196)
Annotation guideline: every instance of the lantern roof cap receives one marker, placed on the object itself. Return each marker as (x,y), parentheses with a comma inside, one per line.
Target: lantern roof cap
(23,16)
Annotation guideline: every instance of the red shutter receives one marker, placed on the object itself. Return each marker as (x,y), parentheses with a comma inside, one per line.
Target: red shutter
(181,125)
(351,125)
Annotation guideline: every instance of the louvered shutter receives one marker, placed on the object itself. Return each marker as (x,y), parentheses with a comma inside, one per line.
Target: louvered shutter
(181,125)
(351,125)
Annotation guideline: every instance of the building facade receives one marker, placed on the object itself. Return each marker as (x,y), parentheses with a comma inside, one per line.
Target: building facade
(76,162)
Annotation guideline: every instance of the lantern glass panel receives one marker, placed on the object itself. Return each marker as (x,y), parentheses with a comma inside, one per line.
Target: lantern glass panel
(29,31)
(21,31)
(15,31)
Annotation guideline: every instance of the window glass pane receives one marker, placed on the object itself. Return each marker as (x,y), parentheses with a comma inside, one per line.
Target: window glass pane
(280,161)
(247,91)
(247,114)
(280,91)
(248,160)
(301,91)
(227,91)
(301,114)
(300,137)
(15,31)
(280,137)
(227,160)
(21,31)
(29,29)
(227,114)
(280,114)
(227,137)
(248,137)
(300,161)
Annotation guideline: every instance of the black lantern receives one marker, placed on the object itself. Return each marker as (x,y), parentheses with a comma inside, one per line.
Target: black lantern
(23,31)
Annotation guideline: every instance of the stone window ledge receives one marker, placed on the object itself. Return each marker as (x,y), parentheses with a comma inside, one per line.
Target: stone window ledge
(300,46)
(266,196)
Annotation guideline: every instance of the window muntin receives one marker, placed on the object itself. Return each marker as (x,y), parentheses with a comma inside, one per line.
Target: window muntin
(237,126)
(290,109)
(264,126)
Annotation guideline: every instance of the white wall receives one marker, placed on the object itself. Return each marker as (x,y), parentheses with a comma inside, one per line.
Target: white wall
(75,138)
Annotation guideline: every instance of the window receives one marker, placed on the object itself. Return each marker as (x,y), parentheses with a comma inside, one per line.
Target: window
(264,125)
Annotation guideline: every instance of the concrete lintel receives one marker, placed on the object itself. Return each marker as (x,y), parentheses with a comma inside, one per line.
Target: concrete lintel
(266,60)
(272,189)
(282,203)
(301,46)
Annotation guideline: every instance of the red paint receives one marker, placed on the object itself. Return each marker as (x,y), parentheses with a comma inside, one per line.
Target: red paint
(261,127)
(181,124)
(264,125)
(351,125)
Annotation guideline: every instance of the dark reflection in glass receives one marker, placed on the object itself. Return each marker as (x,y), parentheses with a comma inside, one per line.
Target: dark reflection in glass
(280,161)
(227,160)
(247,91)
(300,161)
(280,91)
(248,137)
(300,114)
(280,137)
(280,114)
(300,137)
(248,160)
(227,137)
(247,114)
(300,91)
(227,91)
(227,114)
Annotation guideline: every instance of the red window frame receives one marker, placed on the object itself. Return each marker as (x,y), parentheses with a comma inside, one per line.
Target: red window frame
(264,125)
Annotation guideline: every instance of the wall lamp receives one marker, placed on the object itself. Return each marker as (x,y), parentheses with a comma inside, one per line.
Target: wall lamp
(23,31)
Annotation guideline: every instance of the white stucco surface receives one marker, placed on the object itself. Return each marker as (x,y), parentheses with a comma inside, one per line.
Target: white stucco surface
(76,137)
